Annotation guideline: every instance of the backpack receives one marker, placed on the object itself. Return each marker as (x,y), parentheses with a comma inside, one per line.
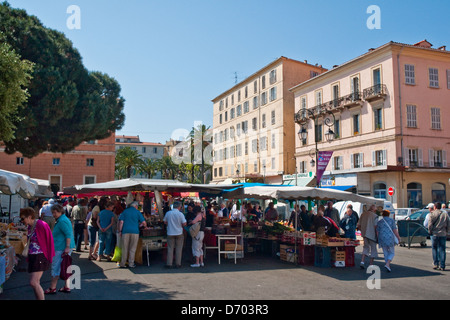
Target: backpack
(194,229)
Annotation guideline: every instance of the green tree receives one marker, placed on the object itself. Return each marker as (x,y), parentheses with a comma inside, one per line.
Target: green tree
(149,167)
(167,167)
(15,75)
(127,159)
(67,104)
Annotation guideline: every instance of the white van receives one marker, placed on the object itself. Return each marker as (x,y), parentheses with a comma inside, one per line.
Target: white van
(341,207)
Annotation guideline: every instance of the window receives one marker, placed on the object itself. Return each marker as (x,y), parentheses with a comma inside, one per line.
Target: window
(19,161)
(263,120)
(437,158)
(337,129)
(239,150)
(220,171)
(238,129)
(246,150)
(215,172)
(356,125)
(232,114)
(56,161)
(255,166)
(409,74)
(413,157)
(89,179)
(263,98)
(273,94)
(379,190)
(438,193)
(263,144)
(245,126)
(220,119)
(255,102)
(255,145)
(302,167)
(273,163)
(338,163)
(273,76)
(303,105)
(319,132)
(411,116)
(263,82)
(226,116)
(433,75)
(414,195)
(89,162)
(378,158)
(313,74)
(255,86)
(239,95)
(356,160)
(335,95)
(435,118)
(355,88)
(255,124)
(144,149)
(377,115)
(238,110)
(221,105)
(246,92)
(232,99)
(318,96)
(273,141)
(272,118)
(246,109)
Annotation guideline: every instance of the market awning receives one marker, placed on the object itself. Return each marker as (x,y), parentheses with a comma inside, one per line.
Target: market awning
(300,193)
(342,188)
(17,183)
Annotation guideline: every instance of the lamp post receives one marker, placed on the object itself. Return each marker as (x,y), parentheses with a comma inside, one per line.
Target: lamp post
(303,133)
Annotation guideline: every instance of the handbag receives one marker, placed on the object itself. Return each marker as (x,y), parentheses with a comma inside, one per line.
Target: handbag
(194,229)
(26,248)
(65,264)
(395,237)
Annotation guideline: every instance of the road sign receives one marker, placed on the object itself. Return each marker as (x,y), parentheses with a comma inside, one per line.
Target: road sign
(391,191)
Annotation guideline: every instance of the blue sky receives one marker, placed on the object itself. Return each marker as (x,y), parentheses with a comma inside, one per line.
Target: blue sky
(173,57)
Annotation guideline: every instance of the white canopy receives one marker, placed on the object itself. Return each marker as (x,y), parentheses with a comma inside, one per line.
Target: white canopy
(299,193)
(16,183)
(135,184)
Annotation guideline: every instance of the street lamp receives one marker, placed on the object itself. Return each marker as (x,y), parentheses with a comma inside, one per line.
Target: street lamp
(303,133)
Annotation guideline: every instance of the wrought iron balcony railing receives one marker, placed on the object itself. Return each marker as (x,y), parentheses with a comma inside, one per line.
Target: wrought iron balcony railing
(375,92)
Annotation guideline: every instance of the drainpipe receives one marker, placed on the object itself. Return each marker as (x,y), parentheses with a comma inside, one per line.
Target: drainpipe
(401,123)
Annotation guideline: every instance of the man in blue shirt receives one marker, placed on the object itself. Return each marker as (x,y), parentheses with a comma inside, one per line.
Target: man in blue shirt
(129,222)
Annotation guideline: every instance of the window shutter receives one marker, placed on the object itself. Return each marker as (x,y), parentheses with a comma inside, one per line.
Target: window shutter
(361,160)
(333,160)
(384,157)
(352,165)
(406,157)
(444,158)
(420,155)
(431,158)
(374,158)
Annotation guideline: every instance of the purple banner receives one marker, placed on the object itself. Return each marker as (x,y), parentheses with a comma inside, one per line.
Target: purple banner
(322,162)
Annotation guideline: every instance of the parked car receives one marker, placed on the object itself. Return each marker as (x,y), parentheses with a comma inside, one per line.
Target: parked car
(403,213)
(341,207)
(418,215)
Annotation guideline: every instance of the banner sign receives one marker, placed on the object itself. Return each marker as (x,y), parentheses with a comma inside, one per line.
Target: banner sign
(322,163)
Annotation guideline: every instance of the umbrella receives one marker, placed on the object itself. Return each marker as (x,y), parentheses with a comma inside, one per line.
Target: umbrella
(299,193)
(16,183)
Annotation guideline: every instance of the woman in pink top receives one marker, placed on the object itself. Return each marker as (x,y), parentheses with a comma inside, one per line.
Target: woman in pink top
(40,251)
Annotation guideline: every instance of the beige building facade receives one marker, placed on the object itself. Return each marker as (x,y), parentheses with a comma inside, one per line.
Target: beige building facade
(388,110)
(253,132)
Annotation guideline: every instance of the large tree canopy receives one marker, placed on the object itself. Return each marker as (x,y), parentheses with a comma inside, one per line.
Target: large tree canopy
(67,103)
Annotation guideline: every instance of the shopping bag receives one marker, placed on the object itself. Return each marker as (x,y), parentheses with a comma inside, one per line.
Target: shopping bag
(117,254)
(65,264)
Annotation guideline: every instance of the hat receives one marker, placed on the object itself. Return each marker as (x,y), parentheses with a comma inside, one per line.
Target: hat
(430,205)
(51,201)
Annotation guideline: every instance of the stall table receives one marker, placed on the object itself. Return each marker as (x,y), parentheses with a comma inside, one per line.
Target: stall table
(226,250)
(154,243)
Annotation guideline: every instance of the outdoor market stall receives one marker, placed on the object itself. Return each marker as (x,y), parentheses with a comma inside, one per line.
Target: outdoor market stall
(302,247)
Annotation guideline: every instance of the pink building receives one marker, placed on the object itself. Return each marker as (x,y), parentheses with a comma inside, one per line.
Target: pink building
(389,109)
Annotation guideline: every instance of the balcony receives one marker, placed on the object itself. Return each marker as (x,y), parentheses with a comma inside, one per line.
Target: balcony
(352,100)
(377,92)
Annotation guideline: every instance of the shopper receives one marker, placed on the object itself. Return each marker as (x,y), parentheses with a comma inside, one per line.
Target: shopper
(64,244)
(79,213)
(46,213)
(106,219)
(332,212)
(271,213)
(92,228)
(197,241)
(175,222)
(366,225)
(130,220)
(348,224)
(438,228)
(41,249)
(387,233)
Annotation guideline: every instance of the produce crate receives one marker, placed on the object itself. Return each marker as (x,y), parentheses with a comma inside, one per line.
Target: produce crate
(338,255)
(349,256)
(322,257)
(306,255)
(152,232)
(231,246)
(309,238)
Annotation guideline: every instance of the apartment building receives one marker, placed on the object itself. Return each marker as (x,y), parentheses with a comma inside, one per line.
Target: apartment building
(147,150)
(388,111)
(253,131)
(90,162)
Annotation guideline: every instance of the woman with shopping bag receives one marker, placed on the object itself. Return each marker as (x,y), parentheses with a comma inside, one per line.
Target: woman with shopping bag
(388,237)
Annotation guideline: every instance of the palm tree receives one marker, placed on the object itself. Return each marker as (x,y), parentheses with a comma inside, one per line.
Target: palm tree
(167,167)
(200,138)
(148,166)
(127,159)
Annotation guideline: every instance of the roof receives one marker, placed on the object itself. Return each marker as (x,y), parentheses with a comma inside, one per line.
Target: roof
(422,45)
(155,144)
(270,65)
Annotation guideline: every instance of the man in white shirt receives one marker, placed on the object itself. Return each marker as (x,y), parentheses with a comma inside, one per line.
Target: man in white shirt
(175,222)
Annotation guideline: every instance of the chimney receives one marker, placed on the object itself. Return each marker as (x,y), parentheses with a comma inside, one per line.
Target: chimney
(443,48)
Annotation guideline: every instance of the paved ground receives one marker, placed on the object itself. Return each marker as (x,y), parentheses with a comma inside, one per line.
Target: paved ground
(256,277)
